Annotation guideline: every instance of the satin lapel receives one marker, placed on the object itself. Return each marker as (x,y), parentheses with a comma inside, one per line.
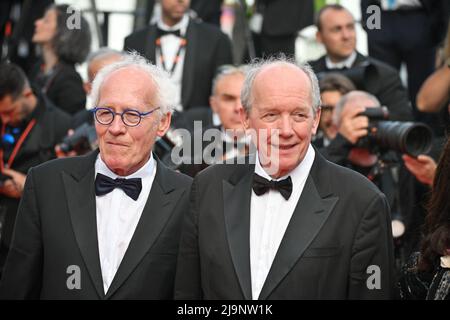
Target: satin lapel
(150,48)
(308,218)
(157,211)
(236,202)
(189,64)
(81,203)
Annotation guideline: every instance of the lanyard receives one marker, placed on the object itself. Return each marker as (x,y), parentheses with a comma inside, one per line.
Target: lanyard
(19,143)
(182,45)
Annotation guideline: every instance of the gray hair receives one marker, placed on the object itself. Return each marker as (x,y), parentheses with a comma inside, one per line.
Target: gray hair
(226,70)
(103,52)
(350,97)
(70,45)
(165,89)
(257,65)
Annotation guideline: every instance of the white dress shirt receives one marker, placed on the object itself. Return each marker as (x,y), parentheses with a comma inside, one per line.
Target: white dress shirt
(118,216)
(270,214)
(169,46)
(347,63)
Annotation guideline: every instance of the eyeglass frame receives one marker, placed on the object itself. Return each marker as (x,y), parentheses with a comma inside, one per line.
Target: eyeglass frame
(121,114)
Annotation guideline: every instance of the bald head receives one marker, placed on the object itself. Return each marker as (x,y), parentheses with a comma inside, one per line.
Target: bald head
(278,73)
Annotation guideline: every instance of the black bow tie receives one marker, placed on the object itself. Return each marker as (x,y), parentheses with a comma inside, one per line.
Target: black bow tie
(261,186)
(104,184)
(162,33)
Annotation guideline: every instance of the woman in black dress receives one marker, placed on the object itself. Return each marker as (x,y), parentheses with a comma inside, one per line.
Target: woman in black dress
(427,273)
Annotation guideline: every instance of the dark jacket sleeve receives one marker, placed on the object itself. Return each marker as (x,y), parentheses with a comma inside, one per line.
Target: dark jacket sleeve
(223,52)
(22,275)
(67,92)
(188,279)
(372,260)
(393,94)
(337,151)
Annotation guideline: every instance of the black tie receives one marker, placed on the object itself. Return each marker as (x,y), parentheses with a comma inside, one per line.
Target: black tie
(261,186)
(162,33)
(104,184)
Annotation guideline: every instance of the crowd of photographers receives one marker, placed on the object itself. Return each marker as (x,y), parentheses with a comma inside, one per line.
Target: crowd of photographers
(368,121)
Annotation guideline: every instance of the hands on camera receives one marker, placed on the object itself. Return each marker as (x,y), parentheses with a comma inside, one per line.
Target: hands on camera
(12,187)
(352,126)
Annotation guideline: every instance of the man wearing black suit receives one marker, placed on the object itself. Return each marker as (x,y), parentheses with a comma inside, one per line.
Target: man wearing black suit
(336,30)
(287,224)
(281,22)
(105,225)
(191,51)
(30,128)
(226,139)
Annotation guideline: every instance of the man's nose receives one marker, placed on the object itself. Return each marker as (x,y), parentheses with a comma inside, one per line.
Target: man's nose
(286,126)
(117,126)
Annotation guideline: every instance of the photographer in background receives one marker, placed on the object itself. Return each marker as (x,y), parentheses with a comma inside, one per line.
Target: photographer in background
(382,166)
(30,128)
(332,87)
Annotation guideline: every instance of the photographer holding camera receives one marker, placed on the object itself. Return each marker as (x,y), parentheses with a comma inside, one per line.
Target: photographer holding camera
(366,143)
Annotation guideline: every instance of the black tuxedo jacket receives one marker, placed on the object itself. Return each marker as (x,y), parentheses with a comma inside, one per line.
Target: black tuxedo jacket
(285,17)
(207,48)
(56,228)
(340,227)
(379,79)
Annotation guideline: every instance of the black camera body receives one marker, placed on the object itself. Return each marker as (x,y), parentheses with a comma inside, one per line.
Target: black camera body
(412,138)
(82,140)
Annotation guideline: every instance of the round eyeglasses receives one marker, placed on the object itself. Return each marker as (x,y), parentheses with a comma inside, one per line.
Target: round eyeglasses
(130,118)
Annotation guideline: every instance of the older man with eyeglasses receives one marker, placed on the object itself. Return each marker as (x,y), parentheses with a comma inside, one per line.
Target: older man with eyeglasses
(105,225)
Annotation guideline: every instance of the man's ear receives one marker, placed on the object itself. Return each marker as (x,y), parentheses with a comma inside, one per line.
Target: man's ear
(316,120)
(319,37)
(27,92)
(244,118)
(87,86)
(213,104)
(164,124)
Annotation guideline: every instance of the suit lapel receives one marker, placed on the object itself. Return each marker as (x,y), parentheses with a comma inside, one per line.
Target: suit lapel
(187,82)
(310,214)
(150,48)
(79,185)
(236,202)
(157,211)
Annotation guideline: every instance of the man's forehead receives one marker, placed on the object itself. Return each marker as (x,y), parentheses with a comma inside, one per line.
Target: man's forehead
(332,17)
(280,77)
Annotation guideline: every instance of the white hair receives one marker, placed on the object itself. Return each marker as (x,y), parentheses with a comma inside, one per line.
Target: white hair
(255,67)
(165,91)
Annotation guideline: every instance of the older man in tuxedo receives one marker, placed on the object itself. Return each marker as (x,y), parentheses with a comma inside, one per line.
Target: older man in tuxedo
(287,224)
(105,225)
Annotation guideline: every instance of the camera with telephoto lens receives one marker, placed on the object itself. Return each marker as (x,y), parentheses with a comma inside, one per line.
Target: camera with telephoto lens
(82,140)
(412,138)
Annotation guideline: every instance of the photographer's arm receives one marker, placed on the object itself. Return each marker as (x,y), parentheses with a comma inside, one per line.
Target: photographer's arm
(423,168)
(13,188)
(435,91)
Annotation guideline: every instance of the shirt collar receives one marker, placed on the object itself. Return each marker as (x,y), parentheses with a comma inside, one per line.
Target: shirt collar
(344,63)
(302,170)
(182,25)
(145,171)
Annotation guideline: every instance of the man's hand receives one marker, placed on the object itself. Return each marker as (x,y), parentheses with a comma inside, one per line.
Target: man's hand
(61,154)
(13,187)
(353,127)
(423,168)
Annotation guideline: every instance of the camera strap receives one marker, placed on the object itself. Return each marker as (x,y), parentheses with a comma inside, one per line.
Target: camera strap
(18,145)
